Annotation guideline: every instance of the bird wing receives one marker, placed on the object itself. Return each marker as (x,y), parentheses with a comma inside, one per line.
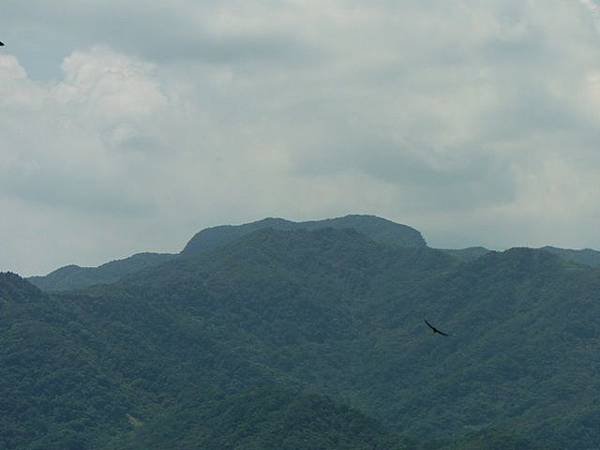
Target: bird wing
(435,330)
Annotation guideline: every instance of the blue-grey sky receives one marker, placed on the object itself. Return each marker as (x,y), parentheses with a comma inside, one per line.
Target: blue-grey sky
(127,126)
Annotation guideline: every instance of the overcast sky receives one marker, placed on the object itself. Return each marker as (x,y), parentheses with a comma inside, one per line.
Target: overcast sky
(128,126)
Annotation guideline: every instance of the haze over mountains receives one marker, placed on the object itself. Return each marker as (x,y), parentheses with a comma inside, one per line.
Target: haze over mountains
(205,241)
(72,277)
(283,335)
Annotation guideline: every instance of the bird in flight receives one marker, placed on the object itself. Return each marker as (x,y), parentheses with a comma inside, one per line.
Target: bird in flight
(435,330)
(1,44)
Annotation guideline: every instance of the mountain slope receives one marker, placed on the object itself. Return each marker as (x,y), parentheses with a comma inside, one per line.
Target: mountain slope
(343,313)
(376,228)
(264,418)
(586,256)
(467,254)
(75,277)
(330,323)
(117,369)
(51,383)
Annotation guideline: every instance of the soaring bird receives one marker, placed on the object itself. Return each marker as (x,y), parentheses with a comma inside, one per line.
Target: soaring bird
(435,330)
(1,44)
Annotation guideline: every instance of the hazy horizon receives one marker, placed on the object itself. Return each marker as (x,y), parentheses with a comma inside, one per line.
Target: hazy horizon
(178,250)
(130,127)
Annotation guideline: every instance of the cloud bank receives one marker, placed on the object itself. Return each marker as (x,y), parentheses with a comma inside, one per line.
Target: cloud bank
(129,128)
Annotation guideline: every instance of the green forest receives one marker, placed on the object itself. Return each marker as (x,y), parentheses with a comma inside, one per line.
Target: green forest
(285,335)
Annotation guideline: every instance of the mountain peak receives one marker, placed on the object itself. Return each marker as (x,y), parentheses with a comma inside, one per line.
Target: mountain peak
(586,256)
(376,228)
(14,287)
(521,261)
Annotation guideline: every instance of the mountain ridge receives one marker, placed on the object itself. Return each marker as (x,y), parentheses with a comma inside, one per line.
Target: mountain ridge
(327,311)
(76,277)
(377,228)
(207,240)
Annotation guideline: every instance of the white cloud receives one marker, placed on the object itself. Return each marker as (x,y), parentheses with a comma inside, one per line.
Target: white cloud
(594,9)
(476,122)
(66,143)
(111,86)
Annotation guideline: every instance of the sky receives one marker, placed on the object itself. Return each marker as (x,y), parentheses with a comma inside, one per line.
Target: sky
(128,126)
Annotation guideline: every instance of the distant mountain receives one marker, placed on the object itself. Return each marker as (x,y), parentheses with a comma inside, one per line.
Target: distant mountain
(467,254)
(376,228)
(586,256)
(308,339)
(15,288)
(76,277)
(111,370)
(339,312)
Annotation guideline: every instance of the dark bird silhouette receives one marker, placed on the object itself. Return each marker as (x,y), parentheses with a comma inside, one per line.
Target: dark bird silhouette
(435,330)
(1,44)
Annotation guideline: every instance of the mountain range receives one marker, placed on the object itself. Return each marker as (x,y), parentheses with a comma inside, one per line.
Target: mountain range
(284,335)
(378,229)
(75,277)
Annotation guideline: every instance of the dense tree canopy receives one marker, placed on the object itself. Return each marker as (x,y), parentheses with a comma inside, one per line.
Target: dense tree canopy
(298,339)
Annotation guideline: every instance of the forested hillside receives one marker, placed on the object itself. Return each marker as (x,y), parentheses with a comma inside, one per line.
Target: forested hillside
(376,228)
(75,277)
(308,339)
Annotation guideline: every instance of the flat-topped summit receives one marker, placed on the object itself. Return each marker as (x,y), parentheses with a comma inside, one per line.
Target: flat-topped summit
(376,228)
